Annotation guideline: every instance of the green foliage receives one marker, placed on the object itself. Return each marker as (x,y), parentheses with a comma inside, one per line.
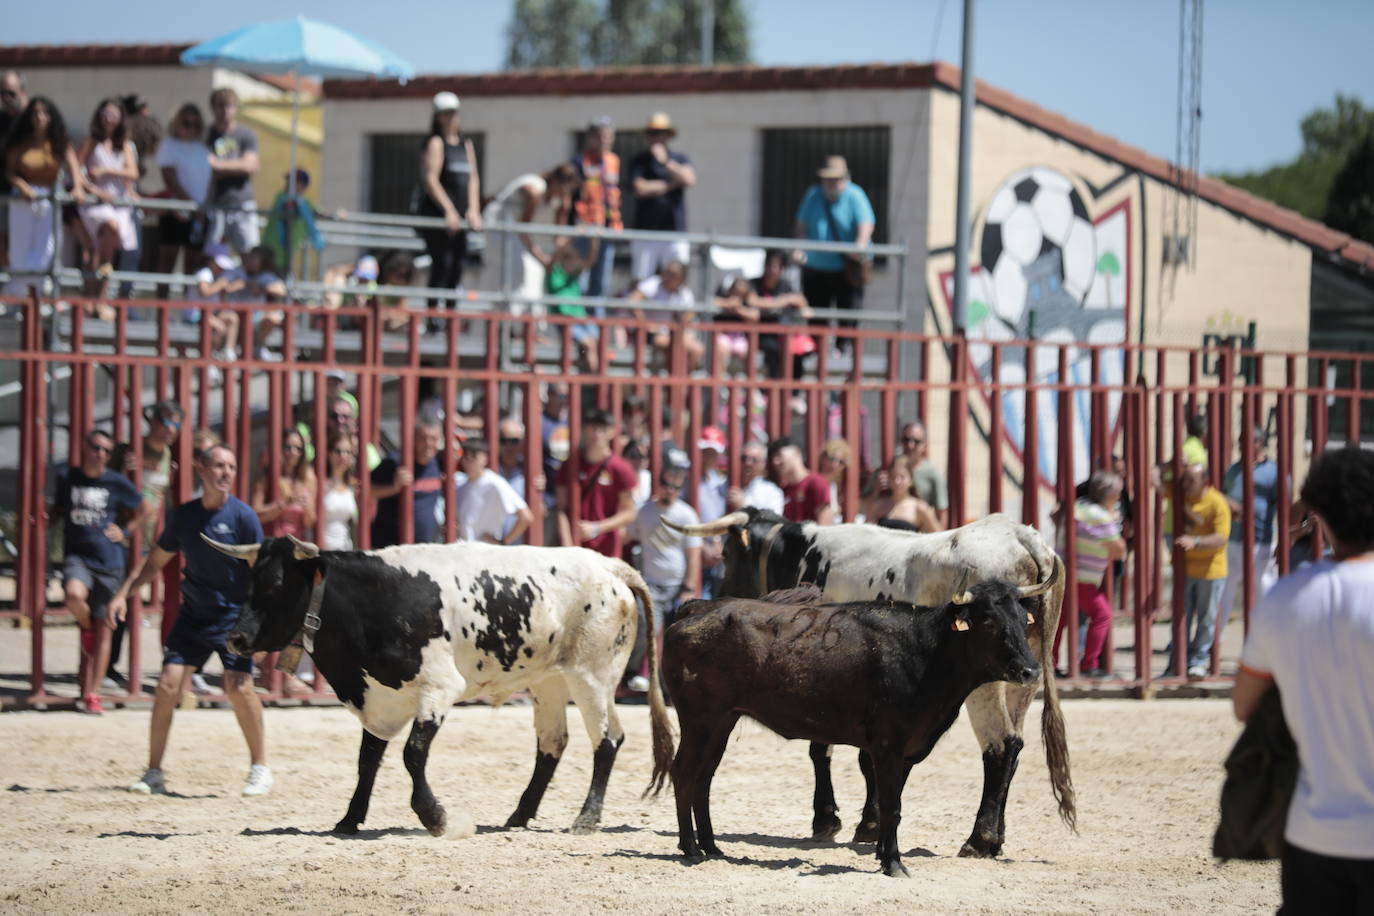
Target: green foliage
(1331,137)
(1109,264)
(1350,206)
(598,33)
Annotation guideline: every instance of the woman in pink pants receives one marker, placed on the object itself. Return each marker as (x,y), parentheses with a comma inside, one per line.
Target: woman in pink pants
(1099,543)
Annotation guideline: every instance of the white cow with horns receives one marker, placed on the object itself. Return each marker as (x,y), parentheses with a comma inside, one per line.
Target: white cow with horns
(405,632)
(763,551)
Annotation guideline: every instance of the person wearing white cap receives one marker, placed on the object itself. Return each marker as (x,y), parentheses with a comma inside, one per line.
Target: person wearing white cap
(450,187)
(660,178)
(220,276)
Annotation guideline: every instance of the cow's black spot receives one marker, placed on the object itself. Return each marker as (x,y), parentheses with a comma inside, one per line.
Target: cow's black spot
(448,637)
(553,571)
(870,583)
(550,639)
(891,577)
(464,631)
(507,609)
(529,653)
(586,609)
(479,664)
(815,568)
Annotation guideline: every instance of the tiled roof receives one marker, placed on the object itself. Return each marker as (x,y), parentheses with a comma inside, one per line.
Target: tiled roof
(677,80)
(20,56)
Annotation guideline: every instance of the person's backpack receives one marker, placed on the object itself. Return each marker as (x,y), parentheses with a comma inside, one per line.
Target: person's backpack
(1261,771)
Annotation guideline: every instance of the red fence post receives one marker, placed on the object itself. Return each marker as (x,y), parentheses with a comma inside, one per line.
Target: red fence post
(1030,451)
(995,430)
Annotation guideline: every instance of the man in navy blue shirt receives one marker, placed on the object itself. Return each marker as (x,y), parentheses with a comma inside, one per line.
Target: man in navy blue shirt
(660,178)
(214,588)
(425,481)
(1262,514)
(99,506)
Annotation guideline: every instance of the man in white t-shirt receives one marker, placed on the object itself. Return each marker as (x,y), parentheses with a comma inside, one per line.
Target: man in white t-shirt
(489,509)
(669,560)
(755,489)
(670,288)
(1312,636)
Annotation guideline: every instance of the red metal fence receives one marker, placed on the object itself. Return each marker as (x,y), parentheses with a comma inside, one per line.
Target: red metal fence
(1132,404)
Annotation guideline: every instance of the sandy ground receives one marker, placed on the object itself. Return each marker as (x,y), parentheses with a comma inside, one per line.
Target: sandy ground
(1147,774)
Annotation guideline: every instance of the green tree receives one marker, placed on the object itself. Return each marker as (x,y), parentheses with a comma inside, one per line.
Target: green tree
(1350,206)
(598,33)
(1329,137)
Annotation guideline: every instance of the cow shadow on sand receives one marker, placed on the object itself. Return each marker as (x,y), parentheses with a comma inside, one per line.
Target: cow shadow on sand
(375,833)
(864,852)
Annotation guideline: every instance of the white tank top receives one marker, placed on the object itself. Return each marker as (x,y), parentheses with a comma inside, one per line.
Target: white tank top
(340,509)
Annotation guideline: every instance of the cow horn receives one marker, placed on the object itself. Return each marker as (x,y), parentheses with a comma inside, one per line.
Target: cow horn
(246,552)
(304,549)
(1033,591)
(961,593)
(710,529)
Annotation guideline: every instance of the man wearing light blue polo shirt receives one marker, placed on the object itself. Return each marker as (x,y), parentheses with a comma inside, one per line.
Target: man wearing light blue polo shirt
(834,210)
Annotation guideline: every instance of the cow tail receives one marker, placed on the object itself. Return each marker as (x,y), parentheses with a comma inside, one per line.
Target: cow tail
(659,723)
(1052,717)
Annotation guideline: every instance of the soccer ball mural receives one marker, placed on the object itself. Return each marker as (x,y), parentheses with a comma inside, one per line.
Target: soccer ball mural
(1053,270)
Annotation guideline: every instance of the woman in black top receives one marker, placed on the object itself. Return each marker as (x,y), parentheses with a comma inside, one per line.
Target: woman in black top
(451,189)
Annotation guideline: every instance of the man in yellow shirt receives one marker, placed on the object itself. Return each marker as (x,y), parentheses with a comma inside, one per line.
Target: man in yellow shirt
(1206,528)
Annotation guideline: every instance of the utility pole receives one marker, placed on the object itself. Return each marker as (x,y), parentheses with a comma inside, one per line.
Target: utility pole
(961,219)
(708,32)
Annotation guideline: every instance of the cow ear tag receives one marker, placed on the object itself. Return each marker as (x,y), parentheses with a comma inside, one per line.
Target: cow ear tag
(959,624)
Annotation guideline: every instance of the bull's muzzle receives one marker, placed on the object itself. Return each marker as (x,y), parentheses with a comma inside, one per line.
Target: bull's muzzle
(1024,674)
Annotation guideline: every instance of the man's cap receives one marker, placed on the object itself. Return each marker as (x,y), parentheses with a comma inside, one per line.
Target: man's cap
(833,167)
(659,120)
(220,255)
(366,268)
(302,177)
(712,437)
(675,459)
(445,101)
(598,123)
(337,374)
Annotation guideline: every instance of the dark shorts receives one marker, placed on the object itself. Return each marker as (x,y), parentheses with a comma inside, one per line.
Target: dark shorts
(101,584)
(180,233)
(192,640)
(1316,883)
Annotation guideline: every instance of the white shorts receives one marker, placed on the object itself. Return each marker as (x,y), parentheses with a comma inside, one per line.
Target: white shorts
(237,229)
(646,257)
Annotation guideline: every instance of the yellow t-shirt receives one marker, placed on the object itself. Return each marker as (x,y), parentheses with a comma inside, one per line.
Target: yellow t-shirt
(1208,515)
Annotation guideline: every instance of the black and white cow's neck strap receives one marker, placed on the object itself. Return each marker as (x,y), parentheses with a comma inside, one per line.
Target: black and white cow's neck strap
(764,552)
(304,640)
(311,626)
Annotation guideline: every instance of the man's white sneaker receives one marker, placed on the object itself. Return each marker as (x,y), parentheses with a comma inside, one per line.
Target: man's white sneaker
(198,684)
(639,684)
(151,783)
(259,780)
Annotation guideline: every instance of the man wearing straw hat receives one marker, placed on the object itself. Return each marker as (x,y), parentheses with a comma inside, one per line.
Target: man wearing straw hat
(660,178)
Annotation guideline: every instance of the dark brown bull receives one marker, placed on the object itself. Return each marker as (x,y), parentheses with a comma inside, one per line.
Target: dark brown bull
(886,677)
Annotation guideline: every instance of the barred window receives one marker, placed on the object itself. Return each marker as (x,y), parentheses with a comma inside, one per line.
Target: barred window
(791,157)
(395,170)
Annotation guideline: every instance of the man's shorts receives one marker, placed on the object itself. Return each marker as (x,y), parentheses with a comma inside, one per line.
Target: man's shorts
(100,584)
(191,642)
(236,228)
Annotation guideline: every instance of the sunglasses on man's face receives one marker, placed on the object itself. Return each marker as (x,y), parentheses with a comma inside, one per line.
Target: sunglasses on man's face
(101,449)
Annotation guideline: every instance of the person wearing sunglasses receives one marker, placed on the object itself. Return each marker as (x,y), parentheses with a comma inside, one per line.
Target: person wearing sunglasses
(98,506)
(291,510)
(928,480)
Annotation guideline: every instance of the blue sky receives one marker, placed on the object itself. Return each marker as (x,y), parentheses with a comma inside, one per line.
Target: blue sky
(1111,65)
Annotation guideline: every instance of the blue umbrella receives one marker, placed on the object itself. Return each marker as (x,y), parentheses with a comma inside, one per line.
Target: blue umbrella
(297,47)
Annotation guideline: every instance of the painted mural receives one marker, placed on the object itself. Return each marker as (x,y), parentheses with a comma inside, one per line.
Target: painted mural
(1053,261)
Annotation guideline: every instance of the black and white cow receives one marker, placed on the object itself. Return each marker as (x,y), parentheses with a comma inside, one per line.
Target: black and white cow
(763,551)
(405,632)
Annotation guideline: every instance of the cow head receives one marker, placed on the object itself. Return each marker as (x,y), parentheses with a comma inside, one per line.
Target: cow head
(283,572)
(989,626)
(756,541)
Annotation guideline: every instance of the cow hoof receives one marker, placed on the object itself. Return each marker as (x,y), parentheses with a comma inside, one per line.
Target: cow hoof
(980,849)
(516,821)
(693,858)
(346,827)
(711,849)
(865,833)
(582,828)
(895,869)
(460,828)
(826,832)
